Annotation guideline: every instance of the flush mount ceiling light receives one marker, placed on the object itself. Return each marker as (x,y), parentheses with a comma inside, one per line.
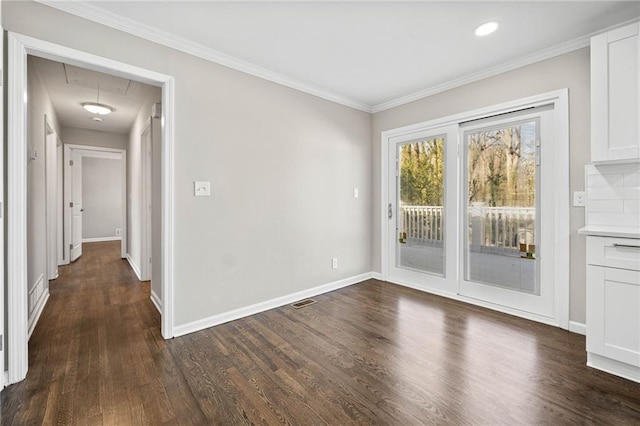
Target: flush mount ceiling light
(486,28)
(96,107)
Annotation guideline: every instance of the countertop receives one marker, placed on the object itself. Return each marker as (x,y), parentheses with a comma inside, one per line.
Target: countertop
(611,231)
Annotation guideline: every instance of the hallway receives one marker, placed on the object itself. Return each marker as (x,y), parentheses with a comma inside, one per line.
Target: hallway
(92,355)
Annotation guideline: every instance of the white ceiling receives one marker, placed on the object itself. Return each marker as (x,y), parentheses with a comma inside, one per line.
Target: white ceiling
(364,54)
(69,86)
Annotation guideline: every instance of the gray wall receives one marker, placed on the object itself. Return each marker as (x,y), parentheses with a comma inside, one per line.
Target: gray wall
(282,166)
(134,181)
(566,71)
(101,197)
(75,136)
(39,106)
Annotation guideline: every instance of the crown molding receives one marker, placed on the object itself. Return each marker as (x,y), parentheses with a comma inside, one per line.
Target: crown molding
(557,50)
(100,16)
(541,55)
(95,14)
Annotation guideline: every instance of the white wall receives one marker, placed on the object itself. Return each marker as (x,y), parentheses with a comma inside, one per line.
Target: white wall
(282,166)
(567,71)
(75,136)
(101,197)
(39,106)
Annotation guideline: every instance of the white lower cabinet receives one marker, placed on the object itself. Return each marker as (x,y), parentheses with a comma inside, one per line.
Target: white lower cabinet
(613,305)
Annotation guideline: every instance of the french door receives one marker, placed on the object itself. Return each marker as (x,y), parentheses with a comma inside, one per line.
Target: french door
(422,200)
(507,217)
(471,211)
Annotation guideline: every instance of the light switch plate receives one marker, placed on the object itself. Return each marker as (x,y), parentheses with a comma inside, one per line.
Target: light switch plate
(356,193)
(201,189)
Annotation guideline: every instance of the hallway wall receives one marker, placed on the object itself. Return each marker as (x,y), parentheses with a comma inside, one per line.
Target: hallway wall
(134,180)
(101,197)
(75,136)
(39,106)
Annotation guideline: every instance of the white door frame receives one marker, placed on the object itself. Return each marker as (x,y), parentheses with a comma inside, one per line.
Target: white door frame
(60,240)
(560,101)
(51,194)
(145,228)
(3,339)
(19,46)
(94,152)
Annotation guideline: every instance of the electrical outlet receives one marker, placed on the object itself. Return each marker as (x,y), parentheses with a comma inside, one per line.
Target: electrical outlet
(579,198)
(334,263)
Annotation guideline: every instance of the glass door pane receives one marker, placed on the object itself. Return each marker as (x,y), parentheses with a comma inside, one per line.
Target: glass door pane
(420,214)
(501,247)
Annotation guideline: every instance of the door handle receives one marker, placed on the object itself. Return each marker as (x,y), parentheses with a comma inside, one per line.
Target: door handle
(626,245)
(390,211)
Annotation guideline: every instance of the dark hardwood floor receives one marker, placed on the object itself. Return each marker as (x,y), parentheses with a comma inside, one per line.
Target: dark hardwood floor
(372,353)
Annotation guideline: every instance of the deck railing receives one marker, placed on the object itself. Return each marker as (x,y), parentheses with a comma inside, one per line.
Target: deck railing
(490,228)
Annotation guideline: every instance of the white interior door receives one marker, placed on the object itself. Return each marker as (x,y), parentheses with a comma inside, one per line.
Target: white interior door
(422,210)
(76,206)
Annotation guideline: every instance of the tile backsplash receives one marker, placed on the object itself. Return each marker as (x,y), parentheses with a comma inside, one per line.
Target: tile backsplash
(613,194)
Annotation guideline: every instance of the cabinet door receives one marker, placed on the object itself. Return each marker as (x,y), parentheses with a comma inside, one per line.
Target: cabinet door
(613,313)
(615,94)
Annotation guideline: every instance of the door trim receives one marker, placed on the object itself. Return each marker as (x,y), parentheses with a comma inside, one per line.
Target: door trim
(51,201)
(145,195)
(19,46)
(560,101)
(95,152)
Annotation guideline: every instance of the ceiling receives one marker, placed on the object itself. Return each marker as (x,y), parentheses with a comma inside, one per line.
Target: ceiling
(370,55)
(69,86)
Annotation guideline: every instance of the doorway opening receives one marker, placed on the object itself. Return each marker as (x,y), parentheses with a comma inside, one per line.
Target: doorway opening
(17,152)
(95,197)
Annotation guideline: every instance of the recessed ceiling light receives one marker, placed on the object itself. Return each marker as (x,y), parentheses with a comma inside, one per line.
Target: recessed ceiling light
(98,119)
(96,108)
(486,28)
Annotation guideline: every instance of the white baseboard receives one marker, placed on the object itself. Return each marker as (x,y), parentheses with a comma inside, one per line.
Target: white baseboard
(611,366)
(155,299)
(37,311)
(377,276)
(36,292)
(578,327)
(101,239)
(235,314)
(134,267)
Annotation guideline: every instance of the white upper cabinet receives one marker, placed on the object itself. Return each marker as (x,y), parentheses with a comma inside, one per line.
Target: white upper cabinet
(615,95)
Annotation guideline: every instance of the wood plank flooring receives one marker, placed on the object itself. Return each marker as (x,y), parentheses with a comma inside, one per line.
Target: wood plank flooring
(372,353)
